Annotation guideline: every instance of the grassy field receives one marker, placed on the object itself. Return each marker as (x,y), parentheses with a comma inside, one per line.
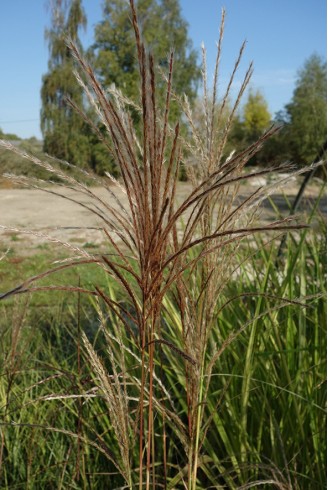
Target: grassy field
(264,410)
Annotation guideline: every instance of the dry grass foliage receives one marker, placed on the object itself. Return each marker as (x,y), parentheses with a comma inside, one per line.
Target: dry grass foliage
(154,256)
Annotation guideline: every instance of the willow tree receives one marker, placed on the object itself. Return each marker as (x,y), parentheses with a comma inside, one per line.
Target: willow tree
(64,133)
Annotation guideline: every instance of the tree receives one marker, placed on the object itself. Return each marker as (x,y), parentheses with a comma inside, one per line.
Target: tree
(256,116)
(254,119)
(64,132)
(305,115)
(114,50)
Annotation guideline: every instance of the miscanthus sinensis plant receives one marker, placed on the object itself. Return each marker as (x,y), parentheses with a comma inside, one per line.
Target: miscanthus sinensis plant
(172,259)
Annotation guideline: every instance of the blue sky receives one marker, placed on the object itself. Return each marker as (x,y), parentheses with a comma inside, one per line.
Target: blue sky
(280,35)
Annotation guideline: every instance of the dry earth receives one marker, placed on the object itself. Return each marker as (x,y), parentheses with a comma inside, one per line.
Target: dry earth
(24,210)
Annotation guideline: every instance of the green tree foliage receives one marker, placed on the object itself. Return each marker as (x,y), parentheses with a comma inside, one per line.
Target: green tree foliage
(256,116)
(305,116)
(163,28)
(64,132)
(248,126)
(303,120)
(8,136)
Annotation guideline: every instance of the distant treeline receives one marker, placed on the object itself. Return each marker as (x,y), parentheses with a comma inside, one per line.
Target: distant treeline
(66,111)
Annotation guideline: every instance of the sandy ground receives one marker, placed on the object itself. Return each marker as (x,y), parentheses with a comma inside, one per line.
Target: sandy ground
(23,210)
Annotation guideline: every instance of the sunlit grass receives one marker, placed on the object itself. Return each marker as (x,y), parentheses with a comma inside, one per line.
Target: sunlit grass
(264,418)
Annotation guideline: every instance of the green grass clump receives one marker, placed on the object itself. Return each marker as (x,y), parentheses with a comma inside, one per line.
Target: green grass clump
(16,265)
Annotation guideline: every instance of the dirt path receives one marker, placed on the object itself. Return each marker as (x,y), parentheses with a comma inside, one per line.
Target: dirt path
(44,213)
(62,219)
(48,214)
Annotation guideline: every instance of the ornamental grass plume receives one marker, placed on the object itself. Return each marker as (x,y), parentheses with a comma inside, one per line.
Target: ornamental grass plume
(155,259)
